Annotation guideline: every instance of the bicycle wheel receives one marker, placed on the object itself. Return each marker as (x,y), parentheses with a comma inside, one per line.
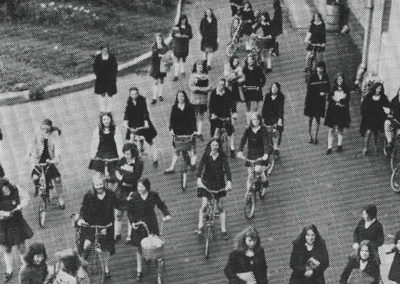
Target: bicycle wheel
(95,266)
(250,205)
(271,161)
(42,208)
(207,242)
(160,266)
(395,158)
(395,179)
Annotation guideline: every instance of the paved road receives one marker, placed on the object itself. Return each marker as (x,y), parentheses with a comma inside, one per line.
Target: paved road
(306,187)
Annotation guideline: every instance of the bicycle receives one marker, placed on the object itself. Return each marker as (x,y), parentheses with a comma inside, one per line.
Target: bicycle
(107,177)
(276,134)
(222,133)
(94,260)
(236,29)
(255,187)
(45,186)
(312,61)
(211,213)
(137,139)
(153,249)
(183,143)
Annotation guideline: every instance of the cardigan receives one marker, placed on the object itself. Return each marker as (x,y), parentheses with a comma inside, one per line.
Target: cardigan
(372,269)
(273,110)
(96,141)
(183,122)
(213,171)
(137,114)
(221,106)
(374,233)
(33,274)
(258,143)
(36,148)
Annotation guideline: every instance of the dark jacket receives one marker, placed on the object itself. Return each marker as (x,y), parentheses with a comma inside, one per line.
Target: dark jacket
(338,114)
(106,75)
(314,102)
(33,274)
(372,270)
(394,106)
(394,273)
(277,20)
(374,233)
(98,212)
(238,262)
(372,115)
(258,143)
(213,172)
(318,33)
(298,262)
(181,44)
(209,34)
(131,173)
(183,122)
(273,110)
(222,106)
(156,60)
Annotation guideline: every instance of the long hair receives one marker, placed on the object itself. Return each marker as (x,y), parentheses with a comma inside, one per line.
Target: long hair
(208,146)
(182,17)
(155,47)
(35,249)
(233,59)
(372,91)
(202,62)
(278,86)
(319,16)
(146,182)
(112,123)
(71,262)
(187,102)
(246,64)
(373,257)
(301,239)
(6,182)
(213,18)
(240,239)
(48,122)
(259,117)
(336,85)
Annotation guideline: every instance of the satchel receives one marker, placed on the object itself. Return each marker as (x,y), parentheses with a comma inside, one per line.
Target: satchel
(359,277)
(166,62)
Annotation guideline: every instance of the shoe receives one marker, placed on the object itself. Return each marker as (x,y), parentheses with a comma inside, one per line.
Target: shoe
(329,151)
(8,277)
(208,67)
(224,235)
(315,141)
(311,141)
(160,98)
(107,275)
(139,276)
(183,74)
(155,164)
(169,171)
(365,151)
(128,242)
(233,155)
(175,79)
(268,70)
(339,149)
(117,238)
(201,138)
(153,101)
(198,231)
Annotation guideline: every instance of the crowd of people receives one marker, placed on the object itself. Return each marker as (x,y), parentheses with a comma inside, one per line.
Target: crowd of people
(117,163)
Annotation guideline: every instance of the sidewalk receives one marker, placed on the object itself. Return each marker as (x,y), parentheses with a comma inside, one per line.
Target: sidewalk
(306,185)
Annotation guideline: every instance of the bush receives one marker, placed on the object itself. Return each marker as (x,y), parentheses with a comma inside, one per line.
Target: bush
(36,94)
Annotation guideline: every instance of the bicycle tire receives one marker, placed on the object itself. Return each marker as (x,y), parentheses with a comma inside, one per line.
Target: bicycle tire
(395,158)
(95,266)
(42,208)
(183,171)
(231,49)
(160,266)
(250,206)
(395,179)
(261,194)
(207,243)
(271,160)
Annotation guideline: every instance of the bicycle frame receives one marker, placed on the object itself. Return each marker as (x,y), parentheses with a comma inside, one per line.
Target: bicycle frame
(222,133)
(44,192)
(107,177)
(136,139)
(184,156)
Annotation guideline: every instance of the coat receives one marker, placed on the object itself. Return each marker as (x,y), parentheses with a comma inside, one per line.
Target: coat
(143,210)
(273,110)
(372,115)
(156,61)
(209,34)
(314,105)
(33,274)
(35,149)
(183,122)
(298,262)
(277,20)
(374,233)
(253,84)
(96,139)
(394,273)
(372,269)
(106,75)
(213,172)
(238,262)
(181,44)
(338,114)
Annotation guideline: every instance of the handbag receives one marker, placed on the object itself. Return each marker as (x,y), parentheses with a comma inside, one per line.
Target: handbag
(359,277)
(166,62)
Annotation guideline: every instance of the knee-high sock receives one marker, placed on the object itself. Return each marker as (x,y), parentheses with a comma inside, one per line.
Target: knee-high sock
(222,216)
(340,139)
(8,261)
(330,138)
(209,58)
(155,92)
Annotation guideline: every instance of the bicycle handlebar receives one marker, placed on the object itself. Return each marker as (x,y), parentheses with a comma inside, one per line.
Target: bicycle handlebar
(213,191)
(252,161)
(184,136)
(107,160)
(96,226)
(42,164)
(137,129)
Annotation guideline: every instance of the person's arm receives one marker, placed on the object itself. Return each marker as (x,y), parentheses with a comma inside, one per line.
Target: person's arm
(263,265)
(323,258)
(172,120)
(57,147)
(323,37)
(189,32)
(146,114)
(212,105)
(296,261)
(114,67)
(161,205)
(231,269)
(96,66)
(193,119)
(281,111)
(94,143)
(118,141)
(25,275)
(243,140)
(380,236)
(131,211)
(227,168)
(347,271)
(263,79)
(356,234)
(83,212)
(201,165)
(266,140)
(202,28)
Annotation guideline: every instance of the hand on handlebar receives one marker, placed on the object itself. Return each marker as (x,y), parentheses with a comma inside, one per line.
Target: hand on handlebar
(228,186)
(214,116)
(166,218)
(240,155)
(265,157)
(200,183)
(103,232)
(82,222)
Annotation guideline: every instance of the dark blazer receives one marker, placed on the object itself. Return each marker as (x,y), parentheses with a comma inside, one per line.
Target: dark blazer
(32,274)
(131,173)
(183,122)
(221,106)
(273,110)
(181,44)
(238,262)
(338,115)
(209,34)
(372,115)
(314,105)
(106,75)
(394,273)
(257,143)
(372,270)
(213,172)
(298,262)
(374,233)
(98,212)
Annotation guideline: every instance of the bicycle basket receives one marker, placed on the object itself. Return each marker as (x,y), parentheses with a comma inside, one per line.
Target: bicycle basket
(183,143)
(152,247)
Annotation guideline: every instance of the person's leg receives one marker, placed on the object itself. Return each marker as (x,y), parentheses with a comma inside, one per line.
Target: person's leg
(59,189)
(86,248)
(340,139)
(222,215)
(117,223)
(249,180)
(8,260)
(109,102)
(269,60)
(155,91)
(318,122)
(173,162)
(231,140)
(160,89)
(202,211)
(308,60)
(106,259)
(182,66)
(129,232)
(200,120)
(35,179)
(388,129)
(193,157)
(330,138)
(102,101)
(366,141)
(21,250)
(139,261)
(310,120)
(248,112)
(209,59)
(153,150)
(176,68)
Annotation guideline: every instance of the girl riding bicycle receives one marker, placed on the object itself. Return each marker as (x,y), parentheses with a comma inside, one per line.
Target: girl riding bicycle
(266,41)
(258,140)
(248,19)
(213,171)
(316,39)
